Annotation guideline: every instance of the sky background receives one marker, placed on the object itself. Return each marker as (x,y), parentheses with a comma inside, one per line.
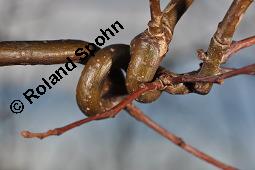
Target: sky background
(221,123)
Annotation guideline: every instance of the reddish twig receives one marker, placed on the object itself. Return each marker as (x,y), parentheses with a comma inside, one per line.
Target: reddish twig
(108,114)
(168,79)
(237,46)
(140,116)
(144,88)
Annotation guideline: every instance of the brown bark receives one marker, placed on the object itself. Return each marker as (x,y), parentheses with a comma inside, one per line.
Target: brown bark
(221,42)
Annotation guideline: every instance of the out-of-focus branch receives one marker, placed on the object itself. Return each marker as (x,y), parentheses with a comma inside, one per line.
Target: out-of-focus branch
(174,11)
(172,14)
(221,42)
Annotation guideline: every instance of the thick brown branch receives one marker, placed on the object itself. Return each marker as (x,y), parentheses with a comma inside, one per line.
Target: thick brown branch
(220,42)
(39,52)
(140,116)
(227,27)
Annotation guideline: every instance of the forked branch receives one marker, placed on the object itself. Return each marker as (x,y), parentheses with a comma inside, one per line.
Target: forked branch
(220,42)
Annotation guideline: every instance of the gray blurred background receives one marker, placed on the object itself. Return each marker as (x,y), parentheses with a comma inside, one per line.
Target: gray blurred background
(221,123)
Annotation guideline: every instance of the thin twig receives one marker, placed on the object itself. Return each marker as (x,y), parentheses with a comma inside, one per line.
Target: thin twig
(108,114)
(250,69)
(140,116)
(169,79)
(228,69)
(237,46)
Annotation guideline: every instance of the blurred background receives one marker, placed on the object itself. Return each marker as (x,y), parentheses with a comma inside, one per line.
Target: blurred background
(221,123)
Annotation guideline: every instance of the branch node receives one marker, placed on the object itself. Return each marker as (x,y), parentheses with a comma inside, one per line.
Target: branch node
(201,54)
